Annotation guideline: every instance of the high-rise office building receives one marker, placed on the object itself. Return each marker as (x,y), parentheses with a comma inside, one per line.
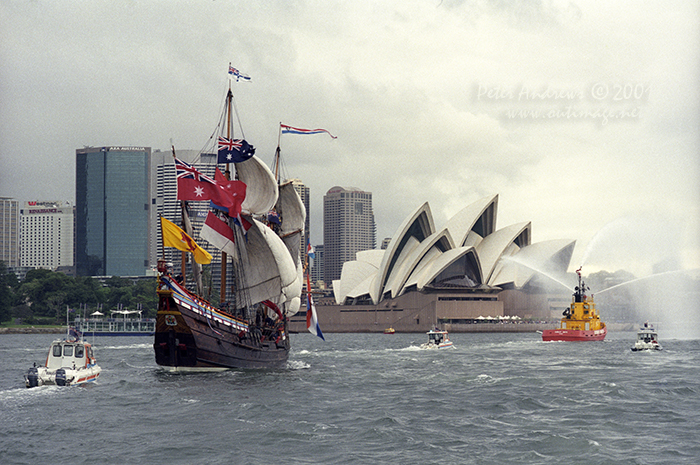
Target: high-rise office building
(317,265)
(113,211)
(9,231)
(46,234)
(348,228)
(304,194)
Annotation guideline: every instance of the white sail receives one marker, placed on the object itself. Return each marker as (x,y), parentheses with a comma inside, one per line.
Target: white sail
(270,272)
(261,191)
(291,209)
(292,217)
(292,306)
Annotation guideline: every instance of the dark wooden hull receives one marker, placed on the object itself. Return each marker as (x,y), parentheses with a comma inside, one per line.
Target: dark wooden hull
(192,336)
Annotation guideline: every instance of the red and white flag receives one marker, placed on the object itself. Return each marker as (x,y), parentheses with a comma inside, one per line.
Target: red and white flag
(218,233)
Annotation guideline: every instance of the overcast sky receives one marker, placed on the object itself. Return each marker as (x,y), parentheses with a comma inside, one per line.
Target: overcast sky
(583,117)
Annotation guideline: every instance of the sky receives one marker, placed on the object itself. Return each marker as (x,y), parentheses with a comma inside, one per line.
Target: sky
(583,117)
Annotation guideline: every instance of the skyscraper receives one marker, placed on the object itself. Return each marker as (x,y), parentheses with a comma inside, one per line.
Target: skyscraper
(113,211)
(304,194)
(9,231)
(348,228)
(317,265)
(46,234)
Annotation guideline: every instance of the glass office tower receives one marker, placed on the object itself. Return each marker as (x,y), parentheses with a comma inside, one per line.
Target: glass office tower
(9,231)
(113,206)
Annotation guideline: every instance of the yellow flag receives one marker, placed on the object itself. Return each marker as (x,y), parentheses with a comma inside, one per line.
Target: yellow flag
(176,237)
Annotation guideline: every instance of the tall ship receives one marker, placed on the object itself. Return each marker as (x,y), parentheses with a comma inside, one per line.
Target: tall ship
(256,221)
(580,321)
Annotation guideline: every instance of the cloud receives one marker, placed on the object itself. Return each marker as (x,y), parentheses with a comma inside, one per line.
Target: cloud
(402,86)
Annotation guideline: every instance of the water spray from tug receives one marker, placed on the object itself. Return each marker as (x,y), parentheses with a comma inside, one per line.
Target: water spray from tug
(667,296)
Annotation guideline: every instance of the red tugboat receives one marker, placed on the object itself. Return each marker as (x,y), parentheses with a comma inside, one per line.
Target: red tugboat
(581,322)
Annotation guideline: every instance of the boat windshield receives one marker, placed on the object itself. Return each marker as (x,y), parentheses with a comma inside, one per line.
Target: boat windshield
(56,351)
(67,351)
(79,351)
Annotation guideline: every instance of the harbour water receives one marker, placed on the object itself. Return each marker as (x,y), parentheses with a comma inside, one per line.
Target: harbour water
(365,399)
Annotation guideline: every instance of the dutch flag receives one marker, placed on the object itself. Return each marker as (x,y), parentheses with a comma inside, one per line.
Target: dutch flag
(292,130)
(312,318)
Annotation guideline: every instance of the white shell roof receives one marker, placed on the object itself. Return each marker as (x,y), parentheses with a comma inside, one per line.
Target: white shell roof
(419,226)
(421,269)
(547,257)
(362,289)
(461,224)
(441,240)
(442,262)
(353,274)
(494,245)
(417,255)
(373,256)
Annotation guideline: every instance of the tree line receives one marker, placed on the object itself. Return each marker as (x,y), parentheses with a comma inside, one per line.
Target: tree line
(43,296)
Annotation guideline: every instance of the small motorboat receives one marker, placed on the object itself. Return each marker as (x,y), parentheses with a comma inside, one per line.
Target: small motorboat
(647,339)
(389,331)
(70,362)
(437,339)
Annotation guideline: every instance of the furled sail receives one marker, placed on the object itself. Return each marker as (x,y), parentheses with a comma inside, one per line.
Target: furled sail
(262,190)
(270,272)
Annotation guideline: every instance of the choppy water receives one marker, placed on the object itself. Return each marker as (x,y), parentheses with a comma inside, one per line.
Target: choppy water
(365,399)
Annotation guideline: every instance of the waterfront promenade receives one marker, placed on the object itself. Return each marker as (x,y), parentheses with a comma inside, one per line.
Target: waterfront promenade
(300,326)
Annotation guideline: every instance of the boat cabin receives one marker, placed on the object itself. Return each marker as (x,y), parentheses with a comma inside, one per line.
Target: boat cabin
(647,335)
(69,354)
(436,337)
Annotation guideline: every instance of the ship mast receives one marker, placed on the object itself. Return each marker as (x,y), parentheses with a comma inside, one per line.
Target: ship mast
(227,174)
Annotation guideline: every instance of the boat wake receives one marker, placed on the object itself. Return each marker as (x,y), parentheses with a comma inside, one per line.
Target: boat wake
(297,365)
(20,396)
(126,347)
(410,348)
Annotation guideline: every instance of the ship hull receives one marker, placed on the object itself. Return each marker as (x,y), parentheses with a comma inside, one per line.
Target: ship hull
(572,335)
(192,337)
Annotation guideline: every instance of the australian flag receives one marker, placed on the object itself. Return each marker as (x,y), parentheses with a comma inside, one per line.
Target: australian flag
(273,217)
(234,150)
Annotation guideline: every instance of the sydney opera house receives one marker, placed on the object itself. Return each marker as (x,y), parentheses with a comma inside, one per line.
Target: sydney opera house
(455,276)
